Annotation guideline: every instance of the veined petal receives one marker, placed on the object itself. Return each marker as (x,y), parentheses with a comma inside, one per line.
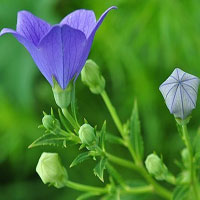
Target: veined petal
(31,27)
(180,93)
(59,54)
(83,20)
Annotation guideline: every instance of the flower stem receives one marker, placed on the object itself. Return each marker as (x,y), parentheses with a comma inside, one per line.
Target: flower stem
(86,188)
(138,190)
(112,112)
(120,161)
(118,124)
(192,167)
(70,119)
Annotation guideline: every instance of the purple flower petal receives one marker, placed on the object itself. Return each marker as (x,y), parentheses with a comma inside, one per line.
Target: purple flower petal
(83,20)
(59,53)
(31,27)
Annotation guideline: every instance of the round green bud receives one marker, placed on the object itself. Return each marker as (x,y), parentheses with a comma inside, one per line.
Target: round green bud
(156,167)
(86,135)
(51,171)
(50,122)
(62,96)
(92,77)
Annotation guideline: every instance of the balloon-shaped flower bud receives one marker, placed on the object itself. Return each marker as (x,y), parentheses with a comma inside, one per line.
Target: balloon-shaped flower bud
(180,93)
(87,135)
(92,77)
(156,167)
(50,123)
(62,96)
(51,170)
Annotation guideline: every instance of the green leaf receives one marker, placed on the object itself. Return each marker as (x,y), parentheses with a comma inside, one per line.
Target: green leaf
(80,158)
(87,195)
(135,132)
(52,140)
(102,135)
(180,193)
(99,169)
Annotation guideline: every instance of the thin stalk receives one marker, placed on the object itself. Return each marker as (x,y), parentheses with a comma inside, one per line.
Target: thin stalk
(86,188)
(121,161)
(113,112)
(118,123)
(138,190)
(192,167)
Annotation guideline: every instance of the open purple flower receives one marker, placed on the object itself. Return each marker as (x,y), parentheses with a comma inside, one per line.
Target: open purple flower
(180,93)
(60,50)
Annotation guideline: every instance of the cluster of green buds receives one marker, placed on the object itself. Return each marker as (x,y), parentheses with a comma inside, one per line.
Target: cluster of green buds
(92,77)
(51,171)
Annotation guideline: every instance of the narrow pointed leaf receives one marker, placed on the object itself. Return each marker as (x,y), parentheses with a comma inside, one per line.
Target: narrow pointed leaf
(102,135)
(99,169)
(135,132)
(52,140)
(80,158)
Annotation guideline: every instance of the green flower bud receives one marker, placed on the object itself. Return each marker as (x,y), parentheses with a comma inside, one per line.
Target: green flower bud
(92,77)
(86,135)
(62,97)
(50,122)
(156,167)
(51,171)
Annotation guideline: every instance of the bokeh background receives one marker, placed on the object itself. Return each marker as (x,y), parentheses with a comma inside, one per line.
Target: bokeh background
(137,47)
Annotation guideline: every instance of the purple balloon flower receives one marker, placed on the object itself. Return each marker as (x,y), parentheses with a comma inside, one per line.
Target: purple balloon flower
(180,93)
(60,50)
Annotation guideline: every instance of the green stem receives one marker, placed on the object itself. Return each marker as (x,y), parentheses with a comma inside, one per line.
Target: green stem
(120,161)
(118,123)
(138,190)
(192,167)
(86,188)
(70,119)
(113,112)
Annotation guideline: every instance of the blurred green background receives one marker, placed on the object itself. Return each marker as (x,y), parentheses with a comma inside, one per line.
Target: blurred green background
(137,48)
